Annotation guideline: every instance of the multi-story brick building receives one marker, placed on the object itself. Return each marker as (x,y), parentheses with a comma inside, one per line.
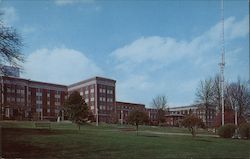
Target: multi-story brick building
(26,99)
(123,109)
(152,114)
(176,114)
(99,94)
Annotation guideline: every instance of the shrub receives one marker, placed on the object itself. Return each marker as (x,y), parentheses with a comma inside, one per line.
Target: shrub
(245,130)
(227,130)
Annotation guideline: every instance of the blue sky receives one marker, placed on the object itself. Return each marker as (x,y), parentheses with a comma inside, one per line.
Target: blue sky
(150,47)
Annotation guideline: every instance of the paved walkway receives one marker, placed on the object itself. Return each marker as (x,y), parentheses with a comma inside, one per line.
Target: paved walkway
(180,134)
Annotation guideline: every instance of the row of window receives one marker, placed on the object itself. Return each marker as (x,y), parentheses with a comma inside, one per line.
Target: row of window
(91,99)
(127,107)
(18,91)
(40,90)
(13,99)
(103,107)
(103,99)
(40,105)
(87,91)
(101,90)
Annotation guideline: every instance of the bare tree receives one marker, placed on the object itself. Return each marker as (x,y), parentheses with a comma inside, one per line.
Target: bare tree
(192,123)
(137,117)
(205,94)
(238,96)
(217,93)
(160,103)
(10,46)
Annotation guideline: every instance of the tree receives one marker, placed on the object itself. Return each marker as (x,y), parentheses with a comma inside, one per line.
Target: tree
(204,95)
(76,109)
(192,123)
(10,46)
(217,93)
(160,103)
(237,96)
(137,118)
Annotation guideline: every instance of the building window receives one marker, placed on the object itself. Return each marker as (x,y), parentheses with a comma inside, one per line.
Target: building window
(22,100)
(92,90)
(38,90)
(92,95)
(18,99)
(92,99)
(12,99)
(38,106)
(18,91)
(38,93)
(8,90)
(110,91)
(92,107)
(110,99)
(39,102)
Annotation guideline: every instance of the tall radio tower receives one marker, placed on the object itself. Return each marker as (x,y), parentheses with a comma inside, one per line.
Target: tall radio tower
(222,64)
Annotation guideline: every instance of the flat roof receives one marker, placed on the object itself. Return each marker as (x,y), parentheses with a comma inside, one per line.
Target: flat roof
(91,79)
(130,103)
(29,80)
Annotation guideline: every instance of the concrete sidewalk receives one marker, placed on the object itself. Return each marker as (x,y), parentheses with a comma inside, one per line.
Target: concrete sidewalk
(180,134)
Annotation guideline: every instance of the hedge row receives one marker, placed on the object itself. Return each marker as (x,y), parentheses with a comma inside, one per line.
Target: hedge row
(228,130)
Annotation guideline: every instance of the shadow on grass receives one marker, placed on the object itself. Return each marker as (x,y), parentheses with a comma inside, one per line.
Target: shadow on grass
(14,147)
(203,140)
(145,135)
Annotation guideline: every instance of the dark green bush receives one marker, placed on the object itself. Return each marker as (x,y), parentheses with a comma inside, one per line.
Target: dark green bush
(227,131)
(245,130)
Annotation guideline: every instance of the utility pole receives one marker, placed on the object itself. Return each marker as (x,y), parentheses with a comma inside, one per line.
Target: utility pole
(121,117)
(248,91)
(222,65)
(97,119)
(2,99)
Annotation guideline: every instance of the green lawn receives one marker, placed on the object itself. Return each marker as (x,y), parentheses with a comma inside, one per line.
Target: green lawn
(21,139)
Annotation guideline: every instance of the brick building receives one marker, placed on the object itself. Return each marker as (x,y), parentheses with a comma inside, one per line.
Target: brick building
(25,99)
(152,114)
(176,114)
(99,94)
(123,109)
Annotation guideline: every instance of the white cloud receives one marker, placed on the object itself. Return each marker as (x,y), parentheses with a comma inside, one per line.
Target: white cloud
(28,29)
(137,85)
(168,61)
(70,2)
(59,65)
(9,15)
(164,50)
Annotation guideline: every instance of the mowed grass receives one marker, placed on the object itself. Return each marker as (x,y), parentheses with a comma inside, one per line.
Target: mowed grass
(64,140)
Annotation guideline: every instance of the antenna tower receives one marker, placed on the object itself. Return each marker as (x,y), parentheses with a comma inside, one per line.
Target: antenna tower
(222,64)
